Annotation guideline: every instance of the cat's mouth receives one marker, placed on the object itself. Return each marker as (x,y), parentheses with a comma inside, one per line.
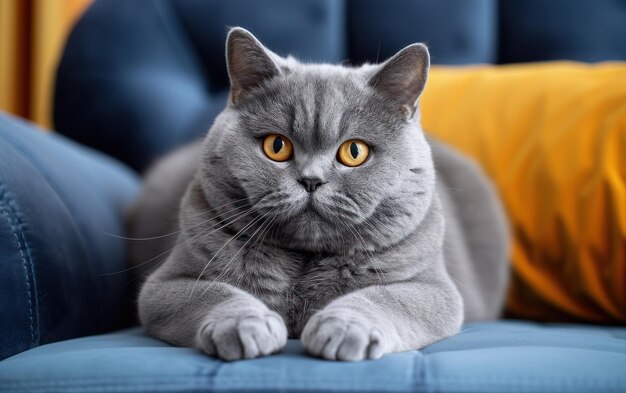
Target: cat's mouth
(311,209)
(319,207)
(311,201)
(311,205)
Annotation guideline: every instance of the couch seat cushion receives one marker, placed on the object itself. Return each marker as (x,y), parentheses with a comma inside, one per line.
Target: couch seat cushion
(485,357)
(62,273)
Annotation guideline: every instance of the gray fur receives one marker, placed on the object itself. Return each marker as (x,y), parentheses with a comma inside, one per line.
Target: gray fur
(358,268)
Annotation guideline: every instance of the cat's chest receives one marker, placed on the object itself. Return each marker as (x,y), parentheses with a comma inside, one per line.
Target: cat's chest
(297,284)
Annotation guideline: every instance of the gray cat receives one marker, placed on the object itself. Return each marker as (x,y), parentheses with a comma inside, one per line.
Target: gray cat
(312,210)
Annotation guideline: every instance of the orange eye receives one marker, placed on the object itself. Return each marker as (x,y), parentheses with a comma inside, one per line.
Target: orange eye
(353,153)
(277,147)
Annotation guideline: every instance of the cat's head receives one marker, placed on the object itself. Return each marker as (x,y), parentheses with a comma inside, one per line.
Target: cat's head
(332,157)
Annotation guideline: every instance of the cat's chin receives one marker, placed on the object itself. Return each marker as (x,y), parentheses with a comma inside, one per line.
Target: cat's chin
(310,230)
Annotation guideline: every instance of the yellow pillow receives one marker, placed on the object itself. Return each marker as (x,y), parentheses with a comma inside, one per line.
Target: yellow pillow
(552,137)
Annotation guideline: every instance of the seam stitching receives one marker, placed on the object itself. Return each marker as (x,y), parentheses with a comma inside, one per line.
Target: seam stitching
(4,206)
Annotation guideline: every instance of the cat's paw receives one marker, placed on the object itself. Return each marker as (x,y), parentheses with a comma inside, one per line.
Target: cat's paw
(243,336)
(335,335)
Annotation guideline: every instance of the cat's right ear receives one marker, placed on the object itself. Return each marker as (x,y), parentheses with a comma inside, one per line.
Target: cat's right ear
(249,63)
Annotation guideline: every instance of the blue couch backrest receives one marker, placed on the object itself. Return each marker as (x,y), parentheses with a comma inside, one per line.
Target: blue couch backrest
(140,77)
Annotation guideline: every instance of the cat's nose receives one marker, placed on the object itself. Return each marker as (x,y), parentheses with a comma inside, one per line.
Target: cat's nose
(311,183)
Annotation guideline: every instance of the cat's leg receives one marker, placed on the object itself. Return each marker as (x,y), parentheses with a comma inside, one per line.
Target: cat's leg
(372,321)
(215,317)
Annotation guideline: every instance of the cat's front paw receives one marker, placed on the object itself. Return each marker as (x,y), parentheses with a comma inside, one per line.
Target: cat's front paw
(337,335)
(243,336)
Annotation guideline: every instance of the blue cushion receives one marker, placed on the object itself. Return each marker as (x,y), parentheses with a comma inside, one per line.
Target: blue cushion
(488,357)
(58,200)
(540,30)
(151,75)
(456,31)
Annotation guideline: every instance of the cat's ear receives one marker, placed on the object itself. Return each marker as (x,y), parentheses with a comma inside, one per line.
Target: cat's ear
(402,78)
(249,63)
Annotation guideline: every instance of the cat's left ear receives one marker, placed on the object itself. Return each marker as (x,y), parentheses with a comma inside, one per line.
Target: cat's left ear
(402,78)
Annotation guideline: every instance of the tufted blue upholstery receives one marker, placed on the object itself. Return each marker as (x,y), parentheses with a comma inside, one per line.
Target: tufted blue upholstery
(456,31)
(540,30)
(487,357)
(57,202)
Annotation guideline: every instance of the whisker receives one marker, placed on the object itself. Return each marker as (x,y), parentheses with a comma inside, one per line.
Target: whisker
(256,219)
(454,278)
(171,233)
(226,266)
(368,253)
(244,245)
(265,232)
(221,219)
(141,238)
(187,241)
(216,208)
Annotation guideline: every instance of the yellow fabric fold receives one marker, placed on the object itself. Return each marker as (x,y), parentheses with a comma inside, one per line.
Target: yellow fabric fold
(32,33)
(552,136)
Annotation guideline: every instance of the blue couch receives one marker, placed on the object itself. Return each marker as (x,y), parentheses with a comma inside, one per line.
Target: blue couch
(140,77)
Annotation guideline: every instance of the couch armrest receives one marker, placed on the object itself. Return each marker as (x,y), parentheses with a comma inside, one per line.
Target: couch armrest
(58,204)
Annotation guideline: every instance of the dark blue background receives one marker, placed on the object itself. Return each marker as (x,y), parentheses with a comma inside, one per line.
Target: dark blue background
(140,77)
